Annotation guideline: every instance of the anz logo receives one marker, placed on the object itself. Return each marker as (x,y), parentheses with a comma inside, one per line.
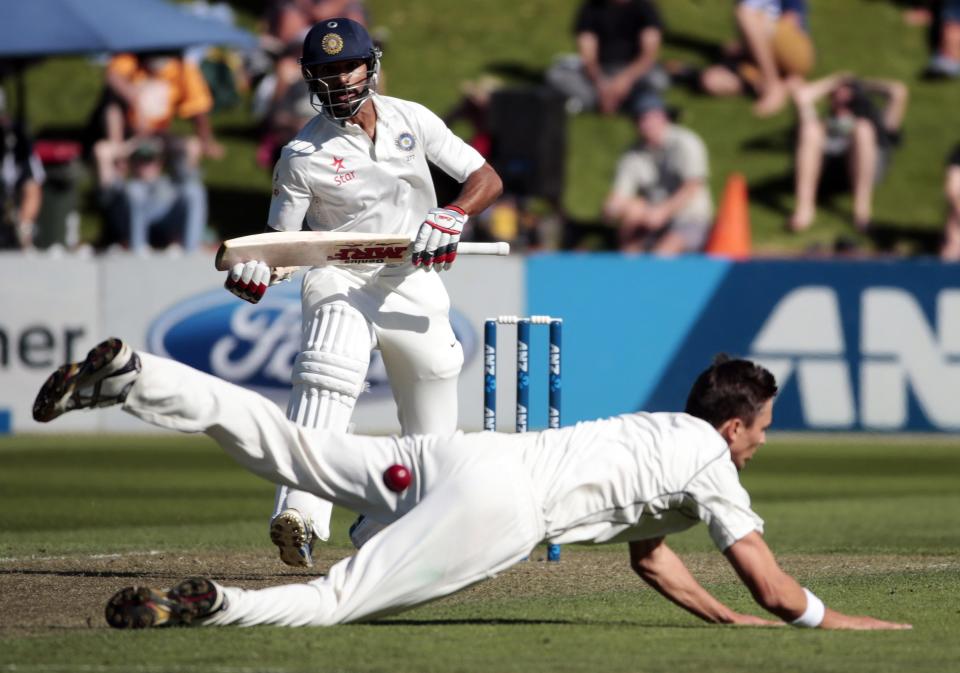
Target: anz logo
(866,384)
(254,345)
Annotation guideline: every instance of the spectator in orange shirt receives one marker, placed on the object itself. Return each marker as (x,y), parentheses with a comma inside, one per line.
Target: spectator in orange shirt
(146,91)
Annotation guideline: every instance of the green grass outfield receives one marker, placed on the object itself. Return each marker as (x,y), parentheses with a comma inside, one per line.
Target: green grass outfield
(871,525)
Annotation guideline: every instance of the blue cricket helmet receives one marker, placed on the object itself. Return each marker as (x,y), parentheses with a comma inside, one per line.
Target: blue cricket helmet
(333,41)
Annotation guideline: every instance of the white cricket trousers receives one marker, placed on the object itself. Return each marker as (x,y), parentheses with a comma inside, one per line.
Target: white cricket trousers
(346,312)
(470,512)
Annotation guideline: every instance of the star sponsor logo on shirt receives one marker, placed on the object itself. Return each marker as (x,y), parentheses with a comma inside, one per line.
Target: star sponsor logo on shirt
(406,142)
(343,173)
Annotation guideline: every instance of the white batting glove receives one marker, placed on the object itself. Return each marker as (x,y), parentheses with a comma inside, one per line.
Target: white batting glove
(436,243)
(248,280)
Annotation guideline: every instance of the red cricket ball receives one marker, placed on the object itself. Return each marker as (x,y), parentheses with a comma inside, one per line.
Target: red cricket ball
(397,478)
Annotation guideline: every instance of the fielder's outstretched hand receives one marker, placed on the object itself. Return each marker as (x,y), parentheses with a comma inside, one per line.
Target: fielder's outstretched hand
(249,280)
(436,243)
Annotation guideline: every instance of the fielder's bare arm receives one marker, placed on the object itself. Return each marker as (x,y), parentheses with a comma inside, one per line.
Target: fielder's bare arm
(361,166)
(478,503)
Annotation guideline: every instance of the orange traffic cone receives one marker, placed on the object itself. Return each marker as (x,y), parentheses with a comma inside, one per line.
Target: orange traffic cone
(730,236)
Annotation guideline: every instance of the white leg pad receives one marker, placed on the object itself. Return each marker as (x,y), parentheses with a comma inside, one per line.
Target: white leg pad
(328,376)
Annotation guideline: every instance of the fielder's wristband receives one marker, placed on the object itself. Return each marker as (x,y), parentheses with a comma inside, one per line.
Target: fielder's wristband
(813,615)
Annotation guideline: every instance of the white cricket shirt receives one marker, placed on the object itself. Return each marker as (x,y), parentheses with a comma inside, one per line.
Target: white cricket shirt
(338,179)
(639,476)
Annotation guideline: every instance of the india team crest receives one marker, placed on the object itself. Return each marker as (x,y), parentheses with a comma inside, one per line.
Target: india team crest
(332,44)
(406,141)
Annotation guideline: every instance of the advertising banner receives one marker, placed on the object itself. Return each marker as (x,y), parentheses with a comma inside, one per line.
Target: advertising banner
(855,345)
(49,313)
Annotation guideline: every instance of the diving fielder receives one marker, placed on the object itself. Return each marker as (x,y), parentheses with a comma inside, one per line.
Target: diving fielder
(478,503)
(361,166)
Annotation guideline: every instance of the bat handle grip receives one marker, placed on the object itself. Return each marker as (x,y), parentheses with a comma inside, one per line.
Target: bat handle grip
(499,248)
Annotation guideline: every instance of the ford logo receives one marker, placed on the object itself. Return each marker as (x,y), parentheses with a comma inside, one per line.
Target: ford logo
(254,345)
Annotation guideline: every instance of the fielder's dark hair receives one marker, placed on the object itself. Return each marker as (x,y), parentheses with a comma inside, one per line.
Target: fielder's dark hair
(730,388)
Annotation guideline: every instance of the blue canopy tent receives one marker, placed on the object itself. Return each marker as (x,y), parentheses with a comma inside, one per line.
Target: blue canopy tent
(41,28)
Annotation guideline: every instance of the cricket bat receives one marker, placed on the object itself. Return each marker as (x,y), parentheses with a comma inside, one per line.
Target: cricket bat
(323,248)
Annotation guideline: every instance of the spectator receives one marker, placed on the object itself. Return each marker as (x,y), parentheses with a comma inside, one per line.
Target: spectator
(917,12)
(21,176)
(944,40)
(283,106)
(474,109)
(142,203)
(773,55)
(851,148)
(660,199)
(618,44)
(145,92)
(319,10)
(287,21)
(951,234)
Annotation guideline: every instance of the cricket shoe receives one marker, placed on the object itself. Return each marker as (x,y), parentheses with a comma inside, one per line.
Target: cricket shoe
(104,378)
(293,535)
(144,608)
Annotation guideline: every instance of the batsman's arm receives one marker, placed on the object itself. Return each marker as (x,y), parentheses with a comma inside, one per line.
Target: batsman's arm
(663,570)
(779,593)
(438,238)
(479,191)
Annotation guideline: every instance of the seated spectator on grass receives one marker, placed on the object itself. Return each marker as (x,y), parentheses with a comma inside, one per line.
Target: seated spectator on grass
(944,40)
(282,106)
(21,177)
(319,10)
(951,233)
(143,203)
(917,12)
(287,21)
(145,92)
(850,148)
(660,198)
(773,55)
(618,45)
(474,109)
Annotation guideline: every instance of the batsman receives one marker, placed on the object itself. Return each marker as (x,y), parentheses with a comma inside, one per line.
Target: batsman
(361,165)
